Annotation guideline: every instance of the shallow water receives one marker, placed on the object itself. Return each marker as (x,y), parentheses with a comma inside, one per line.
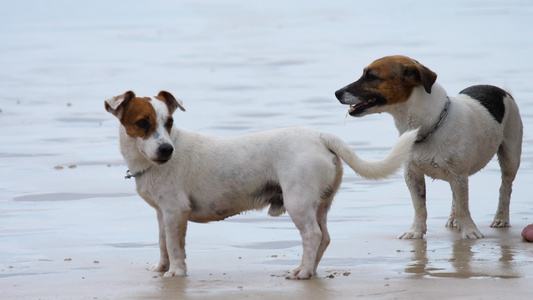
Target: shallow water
(67,214)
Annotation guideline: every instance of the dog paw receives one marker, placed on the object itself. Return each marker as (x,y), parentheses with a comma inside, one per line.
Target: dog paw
(175,273)
(451,223)
(411,234)
(472,233)
(500,223)
(298,274)
(159,267)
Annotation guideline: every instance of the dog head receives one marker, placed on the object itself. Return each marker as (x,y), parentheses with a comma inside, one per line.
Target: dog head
(387,81)
(148,121)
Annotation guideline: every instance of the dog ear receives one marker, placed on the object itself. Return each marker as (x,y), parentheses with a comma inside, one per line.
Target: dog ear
(116,104)
(171,101)
(420,75)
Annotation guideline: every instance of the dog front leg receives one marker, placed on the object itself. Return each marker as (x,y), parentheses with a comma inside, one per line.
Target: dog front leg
(175,223)
(417,187)
(164,262)
(463,219)
(451,223)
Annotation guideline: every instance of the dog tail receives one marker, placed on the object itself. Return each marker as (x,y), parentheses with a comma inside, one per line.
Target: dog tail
(374,169)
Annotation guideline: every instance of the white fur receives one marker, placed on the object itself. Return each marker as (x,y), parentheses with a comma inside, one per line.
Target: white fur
(209,179)
(465,142)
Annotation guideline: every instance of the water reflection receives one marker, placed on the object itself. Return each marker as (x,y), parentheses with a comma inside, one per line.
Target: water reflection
(468,259)
(419,261)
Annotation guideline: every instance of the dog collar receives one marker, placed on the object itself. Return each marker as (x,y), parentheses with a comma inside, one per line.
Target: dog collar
(129,175)
(443,115)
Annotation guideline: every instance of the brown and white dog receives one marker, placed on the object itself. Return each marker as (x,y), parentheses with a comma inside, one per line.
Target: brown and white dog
(187,176)
(458,135)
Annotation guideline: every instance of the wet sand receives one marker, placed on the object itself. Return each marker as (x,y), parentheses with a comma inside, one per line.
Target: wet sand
(84,247)
(71,226)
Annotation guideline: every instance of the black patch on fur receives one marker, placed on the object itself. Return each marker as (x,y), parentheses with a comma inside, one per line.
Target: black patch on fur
(222,212)
(489,96)
(270,192)
(192,204)
(327,193)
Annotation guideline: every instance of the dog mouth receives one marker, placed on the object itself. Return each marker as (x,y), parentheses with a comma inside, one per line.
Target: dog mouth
(359,108)
(161,161)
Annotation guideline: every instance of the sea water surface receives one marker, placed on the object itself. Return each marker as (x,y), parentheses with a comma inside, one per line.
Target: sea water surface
(67,214)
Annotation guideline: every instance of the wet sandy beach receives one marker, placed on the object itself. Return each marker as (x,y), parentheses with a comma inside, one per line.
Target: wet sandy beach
(90,249)
(71,226)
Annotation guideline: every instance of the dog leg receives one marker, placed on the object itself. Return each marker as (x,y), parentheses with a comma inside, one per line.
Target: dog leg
(164,262)
(509,158)
(465,224)
(175,223)
(322,216)
(417,187)
(451,223)
(304,217)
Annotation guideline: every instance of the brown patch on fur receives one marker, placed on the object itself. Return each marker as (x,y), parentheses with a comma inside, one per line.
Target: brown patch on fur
(393,78)
(137,113)
(170,100)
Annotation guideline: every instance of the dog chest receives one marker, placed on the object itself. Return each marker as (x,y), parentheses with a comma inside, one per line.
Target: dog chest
(434,170)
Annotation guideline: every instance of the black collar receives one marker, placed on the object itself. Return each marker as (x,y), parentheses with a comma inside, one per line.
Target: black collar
(443,115)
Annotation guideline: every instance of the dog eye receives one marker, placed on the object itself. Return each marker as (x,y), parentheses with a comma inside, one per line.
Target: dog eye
(169,123)
(142,123)
(370,77)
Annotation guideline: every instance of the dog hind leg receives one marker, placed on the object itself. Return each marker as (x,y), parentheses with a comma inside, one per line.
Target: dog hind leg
(509,159)
(322,218)
(323,209)
(304,215)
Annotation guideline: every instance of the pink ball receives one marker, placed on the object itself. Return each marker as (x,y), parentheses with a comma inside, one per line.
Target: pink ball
(527,233)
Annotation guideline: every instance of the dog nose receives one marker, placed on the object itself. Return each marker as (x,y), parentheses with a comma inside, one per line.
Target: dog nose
(165,151)
(339,94)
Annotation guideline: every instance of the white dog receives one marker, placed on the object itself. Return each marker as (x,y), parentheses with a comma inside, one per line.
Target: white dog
(187,176)
(458,136)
